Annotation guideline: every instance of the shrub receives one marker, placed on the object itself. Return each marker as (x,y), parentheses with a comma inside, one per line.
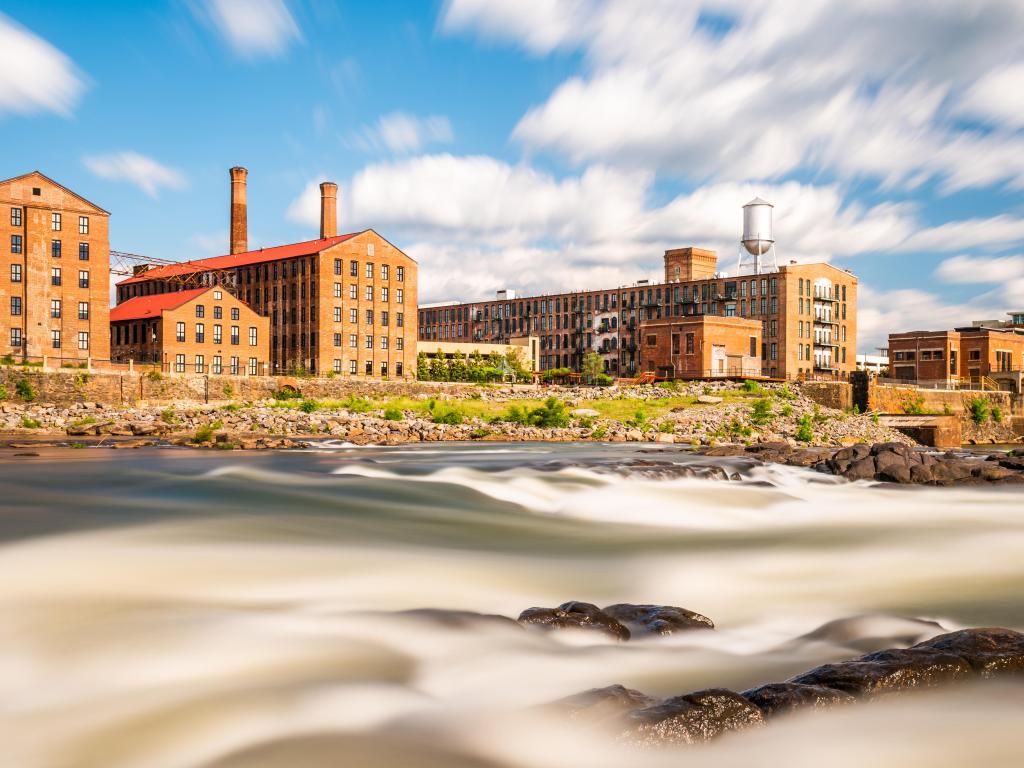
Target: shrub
(752,387)
(3,392)
(308,406)
(856,409)
(357,404)
(479,432)
(761,412)
(168,416)
(603,380)
(25,390)
(447,416)
(599,433)
(787,410)
(287,393)
(997,414)
(914,405)
(514,415)
(980,410)
(667,427)
(391,413)
(874,418)
(232,408)
(154,375)
(84,422)
(552,413)
(803,431)
(947,410)
(204,434)
(228,390)
(819,417)
(7,360)
(639,420)
(28,423)
(586,422)
(785,393)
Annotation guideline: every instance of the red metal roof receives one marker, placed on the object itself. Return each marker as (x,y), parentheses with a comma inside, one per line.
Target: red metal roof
(151,306)
(307,248)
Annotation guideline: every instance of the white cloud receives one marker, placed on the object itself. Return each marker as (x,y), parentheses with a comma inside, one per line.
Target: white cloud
(144,172)
(35,76)
(402,133)
(881,312)
(998,97)
(861,89)
(975,269)
(252,28)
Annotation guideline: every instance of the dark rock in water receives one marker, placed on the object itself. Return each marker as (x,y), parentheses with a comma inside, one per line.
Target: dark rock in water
(691,719)
(777,699)
(889,671)
(990,651)
(459,619)
(892,467)
(657,619)
(600,704)
(574,615)
(872,632)
(861,469)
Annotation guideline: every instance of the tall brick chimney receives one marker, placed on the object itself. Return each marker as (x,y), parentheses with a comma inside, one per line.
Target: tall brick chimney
(239,211)
(328,209)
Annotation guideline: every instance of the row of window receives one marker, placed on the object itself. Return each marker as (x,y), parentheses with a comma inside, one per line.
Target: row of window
(368,267)
(56,308)
(17,338)
(217,365)
(56,221)
(218,311)
(368,341)
(368,367)
(55,276)
(353,293)
(218,331)
(55,248)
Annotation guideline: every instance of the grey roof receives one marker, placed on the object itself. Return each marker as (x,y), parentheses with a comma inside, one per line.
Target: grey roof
(758,201)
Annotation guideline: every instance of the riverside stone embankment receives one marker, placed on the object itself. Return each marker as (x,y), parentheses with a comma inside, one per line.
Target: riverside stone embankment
(697,414)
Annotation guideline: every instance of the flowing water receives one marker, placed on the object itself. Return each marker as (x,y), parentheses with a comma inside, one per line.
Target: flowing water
(171,608)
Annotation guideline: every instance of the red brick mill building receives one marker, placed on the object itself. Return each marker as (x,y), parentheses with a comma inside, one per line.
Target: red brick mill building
(342,304)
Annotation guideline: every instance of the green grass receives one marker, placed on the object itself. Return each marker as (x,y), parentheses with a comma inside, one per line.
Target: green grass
(28,423)
(84,422)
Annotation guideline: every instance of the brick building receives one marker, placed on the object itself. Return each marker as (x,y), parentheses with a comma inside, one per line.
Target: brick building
(55,285)
(202,330)
(807,314)
(701,346)
(340,303)
(960,355)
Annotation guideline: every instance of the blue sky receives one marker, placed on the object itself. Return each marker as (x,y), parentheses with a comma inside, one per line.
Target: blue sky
(548,143)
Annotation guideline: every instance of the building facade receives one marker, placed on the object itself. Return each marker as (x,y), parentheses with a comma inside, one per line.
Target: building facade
(807,314)
(701,347)
(342,304)
(203,330)
(55,284)
(959,355)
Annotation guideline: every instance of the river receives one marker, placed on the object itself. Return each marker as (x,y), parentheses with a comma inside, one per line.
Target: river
(165,608)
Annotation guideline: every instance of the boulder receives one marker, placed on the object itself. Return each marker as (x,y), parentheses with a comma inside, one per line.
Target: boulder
(990,651)
(657,619)
(861,469)
(889,671)
(709,399)
(602,704)
(776,699)
(892,467)
(691,719)
(574,615)
(585,412)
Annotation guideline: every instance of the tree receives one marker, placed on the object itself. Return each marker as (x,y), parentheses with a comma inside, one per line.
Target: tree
(592,366)
(439,367)
(422,367)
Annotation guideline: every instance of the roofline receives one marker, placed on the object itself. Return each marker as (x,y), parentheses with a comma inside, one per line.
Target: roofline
(58,184)
(195,294)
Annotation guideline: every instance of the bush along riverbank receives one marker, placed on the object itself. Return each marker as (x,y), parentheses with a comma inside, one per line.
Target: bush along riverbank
(696,414)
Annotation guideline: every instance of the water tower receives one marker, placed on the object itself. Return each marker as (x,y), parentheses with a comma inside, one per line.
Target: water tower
(757,247)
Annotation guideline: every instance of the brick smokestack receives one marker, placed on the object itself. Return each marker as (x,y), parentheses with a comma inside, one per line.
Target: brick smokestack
(328,209)
(239,211)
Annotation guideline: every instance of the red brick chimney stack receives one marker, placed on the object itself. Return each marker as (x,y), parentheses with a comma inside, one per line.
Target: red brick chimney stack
(239,211)
(328,209)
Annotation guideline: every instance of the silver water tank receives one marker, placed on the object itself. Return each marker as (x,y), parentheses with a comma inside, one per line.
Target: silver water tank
(757,227)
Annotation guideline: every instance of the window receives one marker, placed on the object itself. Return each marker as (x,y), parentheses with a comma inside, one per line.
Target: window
(55,248)
(218,333)
(254,367)
(200,333)
(689,343)
(200,310)
(369,317)
(368,293)
(353,292)
(15,217)
(652,340)
(337,314)
(234,334)
(384,369)
(369,270)
(353,268)
(753,346)
(383,318)
(83,310)
(218,295)
(252,335)
(974,354)
(337,339)
(384,294)
(369,342)
(15,243)
(337,290)
(218,313)
(179,363)
(352,367)
(55,339)
(234,313)
(15,273)
(83,278)
(400,274)
(336,366)
(383,342)
(83,251)
(83,225)
(384,272)
(369,368)
(399,319)
(217,367)
(15,337)
(55,222)
(179,331)
(775,351)
(337,266)
(54,307)
(233,366)
(353,315)
(200,363)
(399,296)
(399,343)
(398,369)
(54,276)
(15,305)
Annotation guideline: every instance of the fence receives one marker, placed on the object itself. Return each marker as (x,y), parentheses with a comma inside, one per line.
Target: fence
(242,367)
